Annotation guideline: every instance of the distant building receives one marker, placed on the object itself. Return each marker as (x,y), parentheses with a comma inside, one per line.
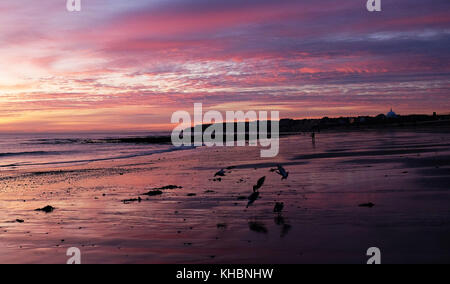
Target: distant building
(391,114)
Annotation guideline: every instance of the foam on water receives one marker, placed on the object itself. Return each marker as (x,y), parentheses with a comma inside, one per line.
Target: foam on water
(37,150)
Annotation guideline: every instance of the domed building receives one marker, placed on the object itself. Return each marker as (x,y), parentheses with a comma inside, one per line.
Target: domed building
(391,114)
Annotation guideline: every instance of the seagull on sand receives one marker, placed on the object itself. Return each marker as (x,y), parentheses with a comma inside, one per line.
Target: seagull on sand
(282,172)
(255,195)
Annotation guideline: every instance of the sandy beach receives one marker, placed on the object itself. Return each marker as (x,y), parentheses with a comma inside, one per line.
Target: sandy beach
(404,173)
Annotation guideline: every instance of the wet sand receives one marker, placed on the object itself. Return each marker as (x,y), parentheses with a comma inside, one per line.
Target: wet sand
(405,173)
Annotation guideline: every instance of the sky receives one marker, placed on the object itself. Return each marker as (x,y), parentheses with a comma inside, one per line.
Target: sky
(128,65)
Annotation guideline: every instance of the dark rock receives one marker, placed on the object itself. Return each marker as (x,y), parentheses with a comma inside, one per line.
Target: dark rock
(127,201)
(154,193)
(169,187)
(369,205)
(46,209)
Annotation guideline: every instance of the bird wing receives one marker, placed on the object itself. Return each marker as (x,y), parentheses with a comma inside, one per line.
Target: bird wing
(252,198)
(261,182)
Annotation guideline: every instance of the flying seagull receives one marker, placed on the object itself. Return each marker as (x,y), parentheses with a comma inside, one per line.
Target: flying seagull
(252,198)
(282,172)
(259,184)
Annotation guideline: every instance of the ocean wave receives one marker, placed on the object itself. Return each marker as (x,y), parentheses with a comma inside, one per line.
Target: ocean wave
(127,140)
(98,159)
(33,153)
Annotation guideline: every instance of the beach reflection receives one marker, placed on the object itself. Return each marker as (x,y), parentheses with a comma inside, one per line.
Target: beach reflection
(405,174)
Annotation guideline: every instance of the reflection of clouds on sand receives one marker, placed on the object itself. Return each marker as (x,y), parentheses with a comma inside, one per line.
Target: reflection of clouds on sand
(320,221)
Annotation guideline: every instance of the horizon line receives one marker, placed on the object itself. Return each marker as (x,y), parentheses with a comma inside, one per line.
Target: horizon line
(132,131)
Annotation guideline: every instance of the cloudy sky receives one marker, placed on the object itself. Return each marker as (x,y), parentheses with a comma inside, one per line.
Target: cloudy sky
(127,65)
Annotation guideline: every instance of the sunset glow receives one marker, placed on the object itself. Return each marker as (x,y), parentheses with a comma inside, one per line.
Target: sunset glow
(127,65)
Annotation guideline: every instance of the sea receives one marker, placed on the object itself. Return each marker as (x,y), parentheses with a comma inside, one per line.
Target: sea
(26,151)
